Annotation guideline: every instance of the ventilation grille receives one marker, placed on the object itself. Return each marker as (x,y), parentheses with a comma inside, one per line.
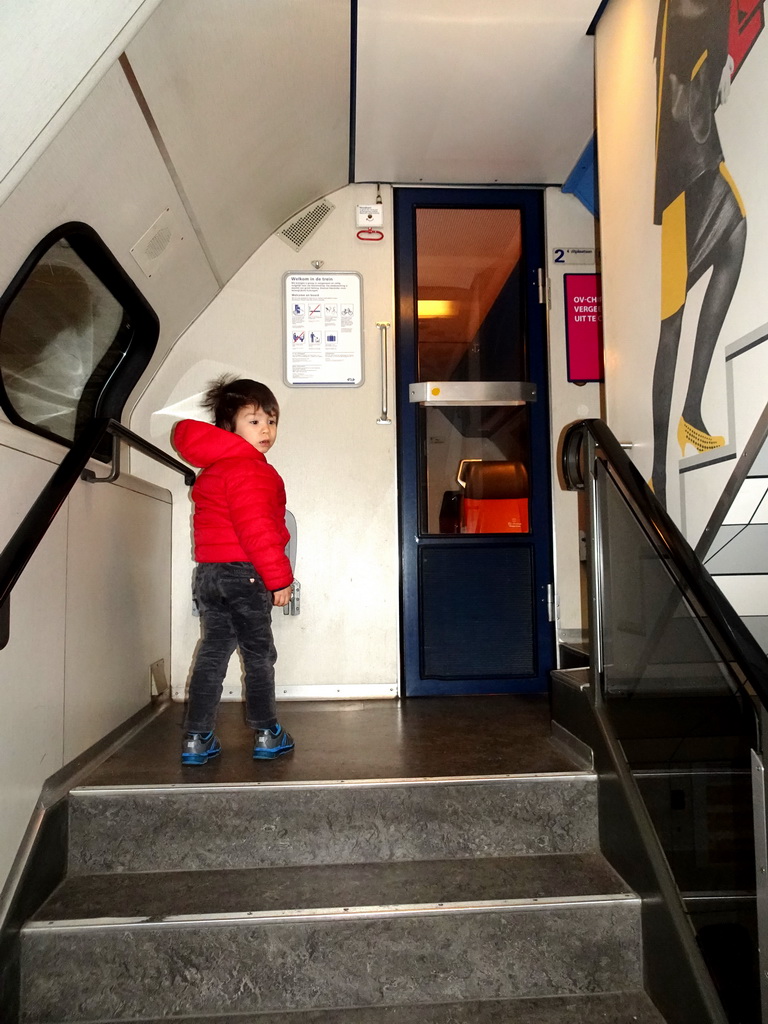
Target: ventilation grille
(297,231)
(154,243)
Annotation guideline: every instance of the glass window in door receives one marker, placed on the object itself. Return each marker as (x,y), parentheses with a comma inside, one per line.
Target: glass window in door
(471,327)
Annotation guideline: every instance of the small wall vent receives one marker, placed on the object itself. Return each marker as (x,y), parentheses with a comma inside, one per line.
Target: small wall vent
(296,232)
(154,243)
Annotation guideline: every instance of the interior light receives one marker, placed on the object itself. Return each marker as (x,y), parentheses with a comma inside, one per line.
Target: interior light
(436,307)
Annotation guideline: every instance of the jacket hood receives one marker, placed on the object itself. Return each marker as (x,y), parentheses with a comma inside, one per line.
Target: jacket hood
(202,444)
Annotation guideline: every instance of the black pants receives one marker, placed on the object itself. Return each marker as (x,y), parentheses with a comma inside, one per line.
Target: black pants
(236,611)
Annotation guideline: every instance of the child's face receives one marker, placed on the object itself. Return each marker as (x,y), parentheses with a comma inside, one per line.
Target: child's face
(256,427)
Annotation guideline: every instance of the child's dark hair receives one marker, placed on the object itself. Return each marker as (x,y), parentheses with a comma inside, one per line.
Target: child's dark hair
(227,395)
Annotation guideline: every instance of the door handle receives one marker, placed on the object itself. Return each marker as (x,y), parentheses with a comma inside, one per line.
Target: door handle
(472,392)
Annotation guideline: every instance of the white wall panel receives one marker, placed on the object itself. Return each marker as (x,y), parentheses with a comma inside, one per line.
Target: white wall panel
(338,466)
(89,614)
(32,665)
(54,52)
(630,241)
(104,168)
(568,224)
(494,91)
(747,594)
(749,505)
(252,103)
(118,606)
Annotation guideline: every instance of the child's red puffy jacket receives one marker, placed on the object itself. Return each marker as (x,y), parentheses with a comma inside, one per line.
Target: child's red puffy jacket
(239,502)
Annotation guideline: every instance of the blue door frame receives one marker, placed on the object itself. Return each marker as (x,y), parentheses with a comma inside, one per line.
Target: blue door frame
(415,547)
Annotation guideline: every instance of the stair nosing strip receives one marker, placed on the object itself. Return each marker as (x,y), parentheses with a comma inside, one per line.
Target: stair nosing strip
(656,773)
(335,913)
(198,787)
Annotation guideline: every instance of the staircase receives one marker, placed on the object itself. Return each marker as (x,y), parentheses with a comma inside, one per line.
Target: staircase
(475,899)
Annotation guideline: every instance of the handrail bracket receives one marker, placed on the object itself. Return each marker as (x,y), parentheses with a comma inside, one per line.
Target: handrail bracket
(91,477)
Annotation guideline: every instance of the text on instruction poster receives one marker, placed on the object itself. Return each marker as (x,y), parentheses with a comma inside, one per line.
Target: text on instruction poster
(323,330)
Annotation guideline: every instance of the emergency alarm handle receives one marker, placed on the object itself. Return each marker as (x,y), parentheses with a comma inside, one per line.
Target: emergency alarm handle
(383,325)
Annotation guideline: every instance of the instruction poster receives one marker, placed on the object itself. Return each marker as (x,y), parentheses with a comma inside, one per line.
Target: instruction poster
(323,330)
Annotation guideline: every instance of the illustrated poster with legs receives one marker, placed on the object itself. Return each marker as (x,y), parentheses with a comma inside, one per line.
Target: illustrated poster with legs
(700,46)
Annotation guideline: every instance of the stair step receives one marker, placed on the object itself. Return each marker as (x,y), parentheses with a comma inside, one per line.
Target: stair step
(196,827)
(153,895)
(144,969)
(603,1008)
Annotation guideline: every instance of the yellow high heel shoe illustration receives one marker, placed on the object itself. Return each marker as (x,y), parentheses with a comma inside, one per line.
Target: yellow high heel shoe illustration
(686,434)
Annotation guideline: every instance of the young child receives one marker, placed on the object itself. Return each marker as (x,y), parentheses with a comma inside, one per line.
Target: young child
(239,538)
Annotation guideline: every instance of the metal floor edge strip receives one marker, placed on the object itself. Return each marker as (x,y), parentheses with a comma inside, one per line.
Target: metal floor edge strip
(345,1012)
(335,913)
(204,787)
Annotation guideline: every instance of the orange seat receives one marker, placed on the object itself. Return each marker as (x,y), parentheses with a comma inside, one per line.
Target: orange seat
(495,498)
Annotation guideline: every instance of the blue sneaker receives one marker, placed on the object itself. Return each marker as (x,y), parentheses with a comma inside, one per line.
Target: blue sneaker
(272,742)
(198,747)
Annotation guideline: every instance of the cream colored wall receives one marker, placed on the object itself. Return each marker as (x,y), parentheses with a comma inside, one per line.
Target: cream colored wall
(337,462)
(118,616)
(568,225)
(32,665)
(243,137)
(251,101)
(630,242)
(626,121)
(89,615)
(54,52)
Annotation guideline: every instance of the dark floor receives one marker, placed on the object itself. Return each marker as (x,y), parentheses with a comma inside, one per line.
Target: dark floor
(378,739)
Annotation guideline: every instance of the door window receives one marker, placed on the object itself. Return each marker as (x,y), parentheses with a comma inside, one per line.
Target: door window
(469,295)
(471,327)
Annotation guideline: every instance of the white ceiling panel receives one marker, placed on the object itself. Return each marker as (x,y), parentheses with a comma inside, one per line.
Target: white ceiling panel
(456,93)
(251,101)
(54,52)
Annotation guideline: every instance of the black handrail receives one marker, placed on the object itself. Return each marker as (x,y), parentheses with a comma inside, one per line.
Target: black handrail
(23,544)
(742,650)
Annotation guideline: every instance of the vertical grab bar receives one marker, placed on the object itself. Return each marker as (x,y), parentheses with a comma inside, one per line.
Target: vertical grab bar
(383,325)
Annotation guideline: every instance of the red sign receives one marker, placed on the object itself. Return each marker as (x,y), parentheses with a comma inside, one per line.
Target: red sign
(584,327)
(747,22)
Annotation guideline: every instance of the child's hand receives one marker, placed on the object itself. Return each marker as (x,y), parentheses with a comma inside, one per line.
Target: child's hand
(280,598)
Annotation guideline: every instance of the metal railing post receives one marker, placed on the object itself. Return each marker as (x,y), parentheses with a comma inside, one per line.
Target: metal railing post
(595,561)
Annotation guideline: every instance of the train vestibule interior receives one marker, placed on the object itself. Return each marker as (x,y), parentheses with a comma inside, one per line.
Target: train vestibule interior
(527,783)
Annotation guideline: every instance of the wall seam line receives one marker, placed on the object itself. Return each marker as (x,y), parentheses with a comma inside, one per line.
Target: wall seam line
(144,107)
